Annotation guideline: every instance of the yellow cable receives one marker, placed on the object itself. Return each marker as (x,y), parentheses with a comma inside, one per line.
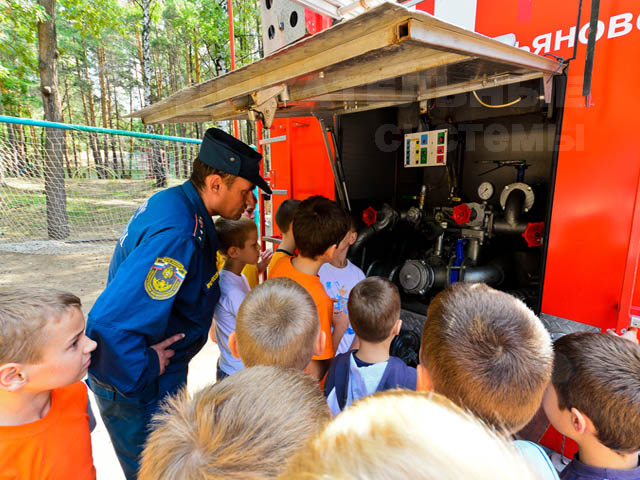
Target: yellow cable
(495,106)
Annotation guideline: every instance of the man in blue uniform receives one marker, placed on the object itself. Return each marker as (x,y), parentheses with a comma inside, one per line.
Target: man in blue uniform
(156,310)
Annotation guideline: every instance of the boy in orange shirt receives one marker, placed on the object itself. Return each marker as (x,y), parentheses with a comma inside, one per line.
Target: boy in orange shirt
(284,220)
(319,225)
(44,419)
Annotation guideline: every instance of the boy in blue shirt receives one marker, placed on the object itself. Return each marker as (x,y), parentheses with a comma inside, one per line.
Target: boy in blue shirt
(374,311)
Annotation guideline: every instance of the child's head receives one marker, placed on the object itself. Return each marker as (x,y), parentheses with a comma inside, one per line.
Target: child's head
(42,340)
(319,225)
(374,309)
(250,209)
(486,351)
(247,426)
(277,324)
(595,390)
(344,245)
(400,434)
(284,214)
(238,239)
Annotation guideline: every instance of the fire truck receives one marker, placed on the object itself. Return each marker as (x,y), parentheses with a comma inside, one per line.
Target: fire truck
(477,141)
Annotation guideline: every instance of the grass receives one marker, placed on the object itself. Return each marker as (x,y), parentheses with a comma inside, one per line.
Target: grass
(97,209)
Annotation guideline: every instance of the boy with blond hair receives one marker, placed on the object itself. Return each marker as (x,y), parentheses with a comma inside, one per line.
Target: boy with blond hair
(239,245)
(487,352)
(374,306)
(277,324)
(319,225)
(284,220)
(246,427)
(594,399)
(44,406)
(418,436)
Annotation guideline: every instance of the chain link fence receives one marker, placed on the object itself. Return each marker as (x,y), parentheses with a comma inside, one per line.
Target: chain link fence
(71,184)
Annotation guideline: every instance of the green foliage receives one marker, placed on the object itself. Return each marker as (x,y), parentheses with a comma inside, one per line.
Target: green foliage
(19,54)
(188,37)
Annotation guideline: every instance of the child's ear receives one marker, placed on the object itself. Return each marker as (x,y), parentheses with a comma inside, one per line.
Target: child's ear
(353,236)
(424,383)
(580,422)
(330,252)
(232,252)
(321,343)
(396,327)
(12,377)
(232,341)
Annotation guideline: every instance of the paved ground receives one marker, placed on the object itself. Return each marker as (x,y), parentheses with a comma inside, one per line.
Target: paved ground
(84,272)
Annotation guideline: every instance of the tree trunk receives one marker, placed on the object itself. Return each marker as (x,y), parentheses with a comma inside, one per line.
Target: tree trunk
(103,108)
(157,168)
(118,139)
(71,133)
(14,157)
(112,140)
(130,128)
(196,56)
(135,67)
(57,219)
(188,61)
(93,138)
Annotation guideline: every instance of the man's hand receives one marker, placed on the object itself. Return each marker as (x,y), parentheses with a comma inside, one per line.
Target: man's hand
(265,258)
(631,334)
(164,354)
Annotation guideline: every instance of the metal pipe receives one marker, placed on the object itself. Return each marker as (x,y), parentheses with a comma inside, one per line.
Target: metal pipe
(423,195)
(500,226)
(387,217)
(473,250)
(513,207)
(490,274)
(83,128)
(591,51)
(437,251)
(233,53)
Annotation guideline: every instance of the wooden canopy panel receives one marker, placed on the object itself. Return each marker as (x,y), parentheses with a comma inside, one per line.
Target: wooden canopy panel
(386,56)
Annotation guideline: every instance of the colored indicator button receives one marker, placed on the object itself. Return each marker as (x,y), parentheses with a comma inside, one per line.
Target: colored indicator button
(441,138)
(423,156)
(440,159)
(441,149)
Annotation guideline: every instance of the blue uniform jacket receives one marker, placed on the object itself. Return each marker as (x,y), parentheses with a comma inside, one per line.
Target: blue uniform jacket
(162,281)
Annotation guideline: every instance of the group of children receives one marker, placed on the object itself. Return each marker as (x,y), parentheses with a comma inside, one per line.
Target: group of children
(487,365)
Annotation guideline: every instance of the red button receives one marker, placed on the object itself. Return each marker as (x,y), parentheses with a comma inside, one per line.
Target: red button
(440,159)
(440,149)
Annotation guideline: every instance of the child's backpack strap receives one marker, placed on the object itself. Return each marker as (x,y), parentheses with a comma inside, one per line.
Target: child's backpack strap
(398,375)
(338,378)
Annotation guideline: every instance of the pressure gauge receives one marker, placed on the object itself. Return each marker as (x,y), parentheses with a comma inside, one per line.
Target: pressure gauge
(485,190)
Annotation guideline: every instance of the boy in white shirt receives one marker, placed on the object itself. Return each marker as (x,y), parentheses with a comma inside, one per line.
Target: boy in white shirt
(240,247)
(338,278)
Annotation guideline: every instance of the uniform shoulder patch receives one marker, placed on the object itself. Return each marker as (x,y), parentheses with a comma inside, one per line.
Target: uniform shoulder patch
(164,278)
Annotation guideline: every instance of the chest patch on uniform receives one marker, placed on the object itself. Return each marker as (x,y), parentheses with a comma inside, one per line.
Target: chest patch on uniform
(164,278)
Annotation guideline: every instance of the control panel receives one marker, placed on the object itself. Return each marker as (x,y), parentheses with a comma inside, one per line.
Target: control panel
(425,149)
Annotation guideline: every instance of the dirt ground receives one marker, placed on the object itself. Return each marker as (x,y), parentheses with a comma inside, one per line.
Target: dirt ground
(84,273)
